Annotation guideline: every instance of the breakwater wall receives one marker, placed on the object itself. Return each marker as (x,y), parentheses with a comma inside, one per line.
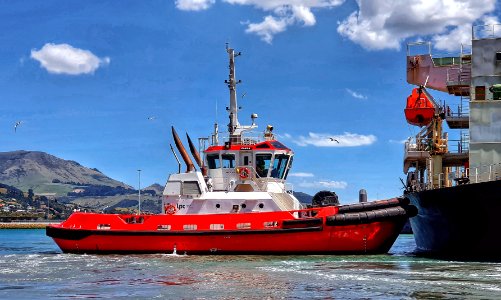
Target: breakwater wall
(26,225)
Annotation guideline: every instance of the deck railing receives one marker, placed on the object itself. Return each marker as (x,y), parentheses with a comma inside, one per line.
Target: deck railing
(470,175)
(459,75)
(262,182)
(486,31)
(485,173)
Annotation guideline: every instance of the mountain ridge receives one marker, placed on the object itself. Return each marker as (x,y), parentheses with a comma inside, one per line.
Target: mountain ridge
(44,172)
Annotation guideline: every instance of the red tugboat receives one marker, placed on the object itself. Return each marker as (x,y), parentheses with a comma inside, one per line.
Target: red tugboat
(238,203)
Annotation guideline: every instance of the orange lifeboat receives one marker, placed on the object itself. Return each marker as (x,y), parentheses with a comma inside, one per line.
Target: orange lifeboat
(419,110)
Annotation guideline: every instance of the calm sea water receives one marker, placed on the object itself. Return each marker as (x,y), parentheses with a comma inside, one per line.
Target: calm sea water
(32,267)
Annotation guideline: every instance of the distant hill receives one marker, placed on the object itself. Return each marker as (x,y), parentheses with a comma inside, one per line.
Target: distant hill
(159,189)
(43,173)
(113,204)
(303,197)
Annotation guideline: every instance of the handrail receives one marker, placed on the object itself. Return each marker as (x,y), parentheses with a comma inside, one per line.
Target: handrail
(411,45)
(459,75)
(443,58)
(425,144)
(486,31)
(474,175)
(253,176)
(262,182)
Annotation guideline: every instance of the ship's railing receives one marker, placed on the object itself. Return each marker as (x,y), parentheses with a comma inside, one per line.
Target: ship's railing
(253,176)
(246,138)
(418,48)
(485,173)
(461,111)
(424,144)
(415,145)
(441,58)
(243,140)
(262,182)
(460,145)
(459,75)
(469,175)
(486,31)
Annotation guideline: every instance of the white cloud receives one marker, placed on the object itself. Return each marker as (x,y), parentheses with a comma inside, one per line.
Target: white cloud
(194,4)
(452,40)
(356,95)
(284,13)
(384,24)
(301,174)
(269,27)
(65,59)
(304,14)
(346,139)
(322,184)
(376,25)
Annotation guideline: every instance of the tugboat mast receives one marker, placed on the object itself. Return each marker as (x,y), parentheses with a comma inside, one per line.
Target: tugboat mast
(234,128)
(232,86)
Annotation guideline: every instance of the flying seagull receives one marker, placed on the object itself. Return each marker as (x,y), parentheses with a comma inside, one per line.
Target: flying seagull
(152,118)
(17,124)
(334,140)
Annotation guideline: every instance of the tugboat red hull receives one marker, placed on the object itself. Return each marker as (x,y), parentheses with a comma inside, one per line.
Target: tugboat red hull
(327,232)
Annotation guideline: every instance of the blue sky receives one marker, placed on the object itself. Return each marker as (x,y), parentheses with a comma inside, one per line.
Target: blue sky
(84,76)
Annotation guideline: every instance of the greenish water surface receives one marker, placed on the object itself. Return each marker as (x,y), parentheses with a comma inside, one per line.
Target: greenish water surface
(32,267)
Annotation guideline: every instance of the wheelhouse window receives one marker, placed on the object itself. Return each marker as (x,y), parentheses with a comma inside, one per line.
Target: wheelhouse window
(262,164)
(289,167)
(228,161)
(213,161)
(279,165)
(278,145)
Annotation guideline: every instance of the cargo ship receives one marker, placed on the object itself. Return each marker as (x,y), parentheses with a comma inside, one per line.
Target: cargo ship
(454,180)
(237,202)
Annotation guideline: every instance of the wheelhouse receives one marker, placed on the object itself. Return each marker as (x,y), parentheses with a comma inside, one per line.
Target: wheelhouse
(270,160)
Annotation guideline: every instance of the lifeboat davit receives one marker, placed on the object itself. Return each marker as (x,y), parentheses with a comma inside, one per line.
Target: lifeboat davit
(419,110)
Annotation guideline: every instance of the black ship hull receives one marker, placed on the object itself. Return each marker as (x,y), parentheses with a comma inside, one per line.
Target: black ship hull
(459,222)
